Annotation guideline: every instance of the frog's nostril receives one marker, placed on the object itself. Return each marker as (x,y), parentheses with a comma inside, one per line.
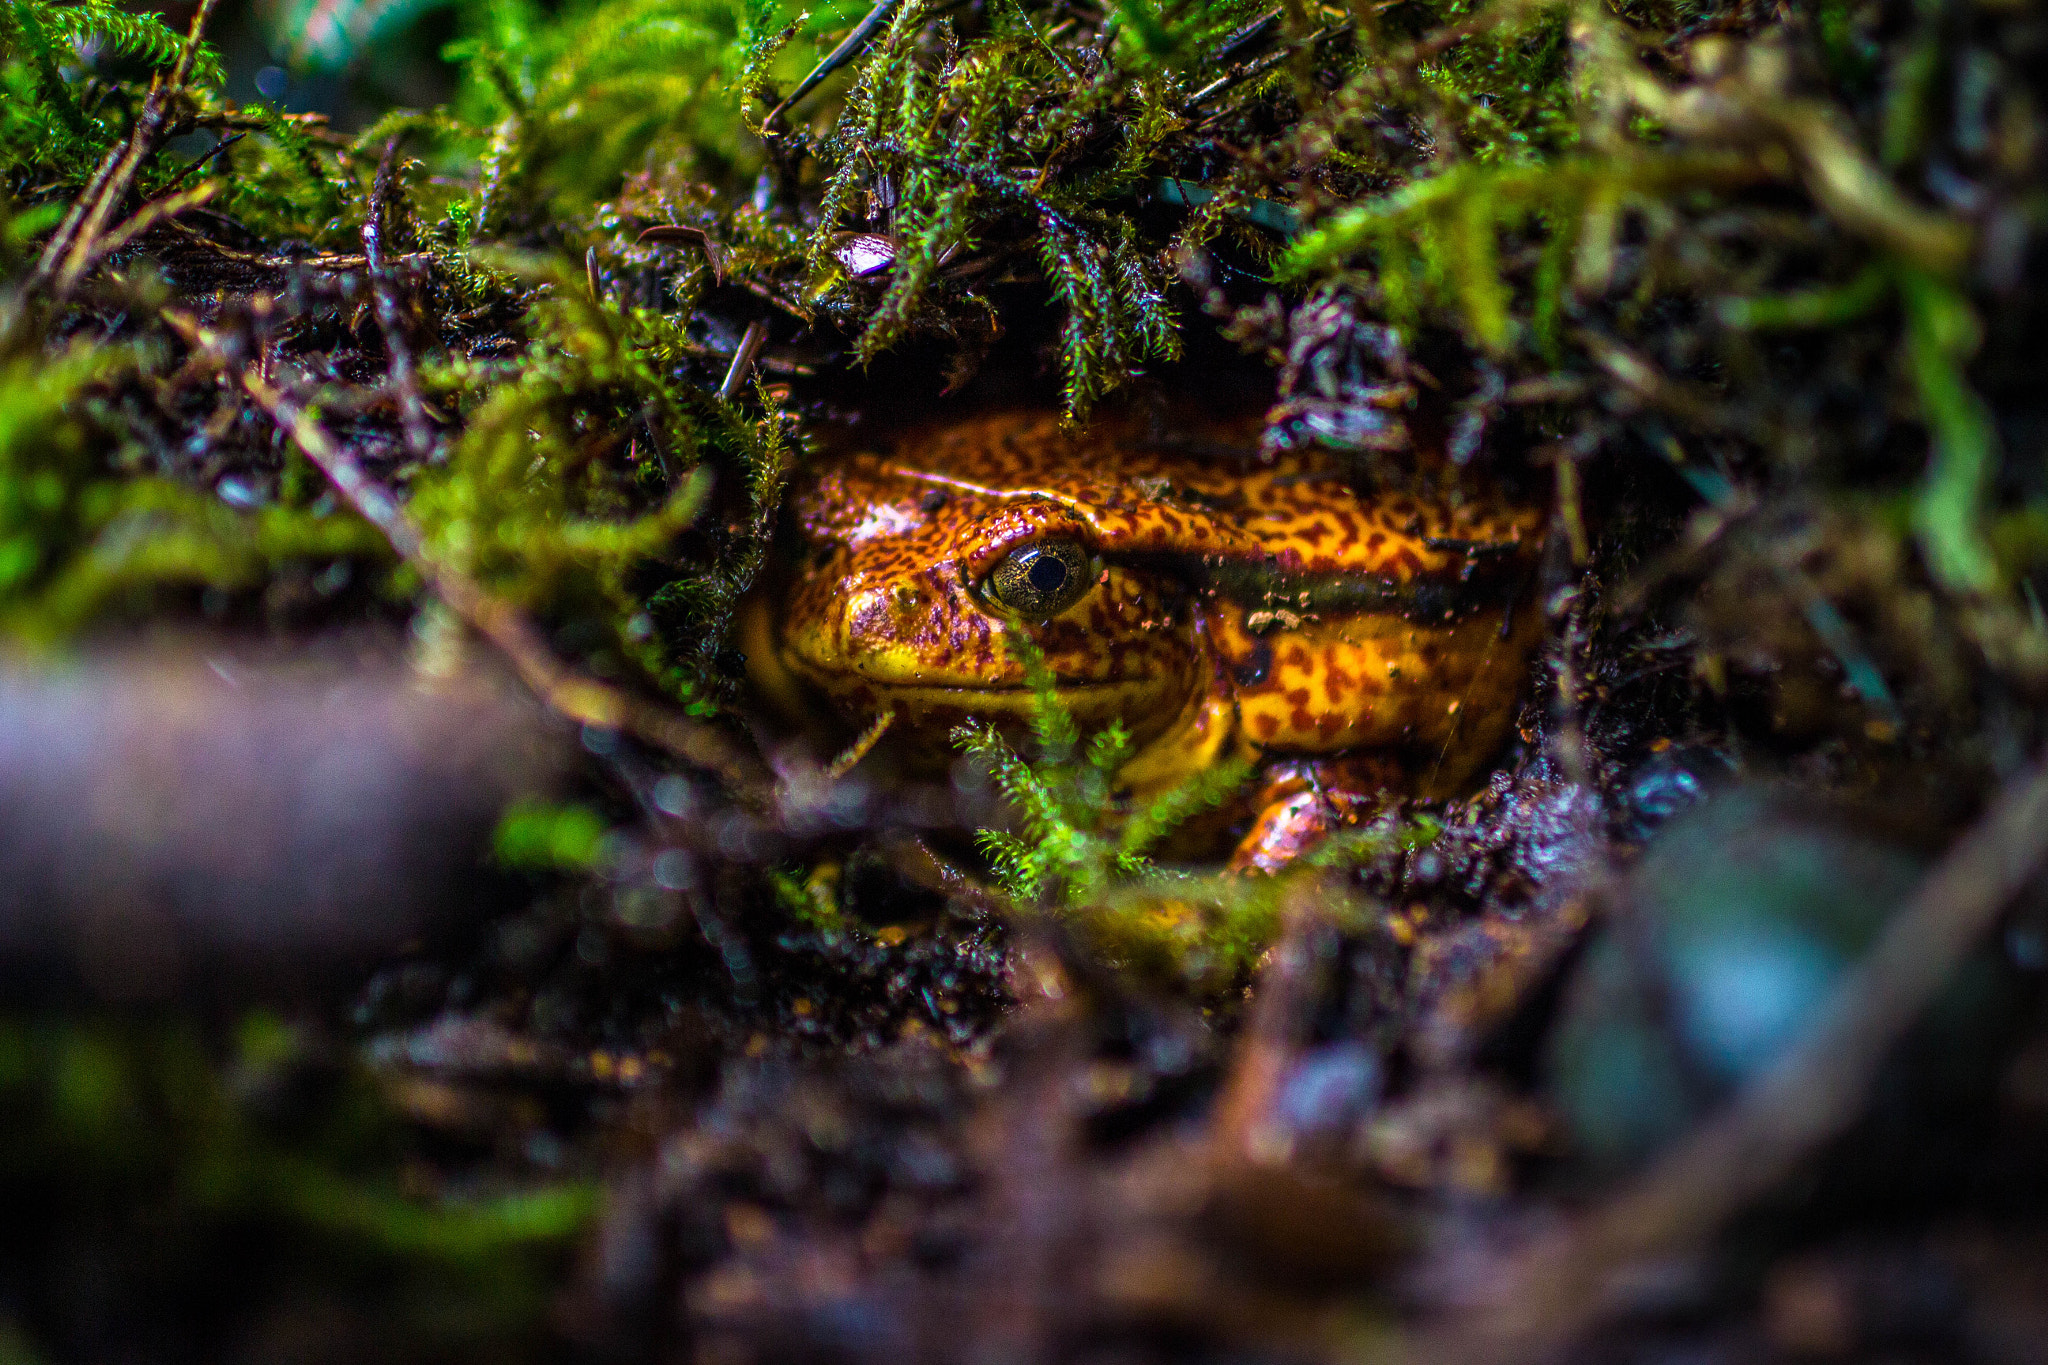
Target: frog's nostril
(1048,575)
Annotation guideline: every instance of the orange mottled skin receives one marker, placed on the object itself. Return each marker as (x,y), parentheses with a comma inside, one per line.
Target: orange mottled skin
(1351,644)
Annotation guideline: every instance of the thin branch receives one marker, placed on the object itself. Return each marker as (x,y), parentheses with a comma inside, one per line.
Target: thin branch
(920,865)
(409,260)
(1261,66)
(67,230)
(849,48)
(750,345)
(191,167)
(862,745)
(1273,1035)
(156,211)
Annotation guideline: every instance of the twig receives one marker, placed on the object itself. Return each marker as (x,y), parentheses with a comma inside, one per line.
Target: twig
(751,342)
(419,435)
(1260,67)
(67,230)
(1555,1290)
(329,264)
(861,747)
(1265,1192)
(1028,1146)
(570,693)
(770,364)
(196,162)
(1649,384)
(1249,37)
(156,211)
(146,858)
(1281,1004)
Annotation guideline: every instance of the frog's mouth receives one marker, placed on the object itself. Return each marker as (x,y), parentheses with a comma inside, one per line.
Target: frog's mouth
(1083,698)
(931,710)
(893,671)
(927,715)
(1019,698)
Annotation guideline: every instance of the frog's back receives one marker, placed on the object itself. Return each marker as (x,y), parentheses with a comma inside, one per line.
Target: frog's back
(1299,516)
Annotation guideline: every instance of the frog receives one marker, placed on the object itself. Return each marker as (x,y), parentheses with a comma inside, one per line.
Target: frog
(1348,644)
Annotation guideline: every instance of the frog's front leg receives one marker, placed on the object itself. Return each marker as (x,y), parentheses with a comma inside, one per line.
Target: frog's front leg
(1304,800)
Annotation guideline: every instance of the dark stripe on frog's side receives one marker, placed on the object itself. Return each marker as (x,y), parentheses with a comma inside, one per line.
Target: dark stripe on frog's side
(1479,585)
(1257,666)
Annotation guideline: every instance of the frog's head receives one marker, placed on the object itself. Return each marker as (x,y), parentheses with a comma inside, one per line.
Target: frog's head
(911,585)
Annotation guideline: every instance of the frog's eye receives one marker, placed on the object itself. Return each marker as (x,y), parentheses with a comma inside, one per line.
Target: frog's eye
(1042,579)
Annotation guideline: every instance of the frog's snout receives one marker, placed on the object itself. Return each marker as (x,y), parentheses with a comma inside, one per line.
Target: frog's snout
(890,613)
(898,629)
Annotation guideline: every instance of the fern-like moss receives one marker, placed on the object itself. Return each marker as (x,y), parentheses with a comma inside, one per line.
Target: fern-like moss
(579,468)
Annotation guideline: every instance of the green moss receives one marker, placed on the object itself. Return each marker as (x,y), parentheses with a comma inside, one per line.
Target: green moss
(80,536)
(578,469)
(55,129)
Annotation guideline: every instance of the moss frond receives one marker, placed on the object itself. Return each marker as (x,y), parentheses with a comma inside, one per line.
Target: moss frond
(143,38)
